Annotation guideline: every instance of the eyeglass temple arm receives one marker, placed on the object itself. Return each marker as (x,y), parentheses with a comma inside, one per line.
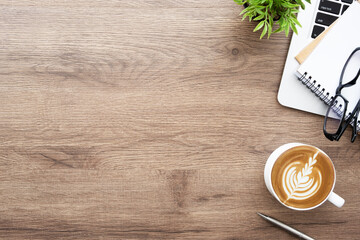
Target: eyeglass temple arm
(354,133)
(354,115)
(351,83)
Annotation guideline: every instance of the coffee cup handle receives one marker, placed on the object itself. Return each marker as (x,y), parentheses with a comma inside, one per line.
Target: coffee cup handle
(336,200)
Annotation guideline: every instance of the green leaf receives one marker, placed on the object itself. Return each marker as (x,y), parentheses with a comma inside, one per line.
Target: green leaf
(271,3)
(289,5)
(260,17)
(258,11)
(277,30)
(293,27)
(248,14)
(251,8)
(281,21)
(260,25)
(261,7)
(302,5)
(287,29)
(271,22)
(244,11)
(240,2)
(297,22)
(264,31)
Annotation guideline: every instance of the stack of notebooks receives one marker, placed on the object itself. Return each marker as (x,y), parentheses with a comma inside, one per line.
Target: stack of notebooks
(323,60)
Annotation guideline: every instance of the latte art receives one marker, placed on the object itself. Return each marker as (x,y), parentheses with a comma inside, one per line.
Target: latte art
(297,182)
(302,177)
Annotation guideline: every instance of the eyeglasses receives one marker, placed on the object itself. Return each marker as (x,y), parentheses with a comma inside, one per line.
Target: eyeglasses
(336,118)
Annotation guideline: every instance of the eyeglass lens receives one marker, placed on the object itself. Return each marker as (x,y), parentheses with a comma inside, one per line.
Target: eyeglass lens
(350,73)
(335,115)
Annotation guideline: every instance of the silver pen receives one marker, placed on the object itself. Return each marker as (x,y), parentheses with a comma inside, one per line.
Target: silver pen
(286,227)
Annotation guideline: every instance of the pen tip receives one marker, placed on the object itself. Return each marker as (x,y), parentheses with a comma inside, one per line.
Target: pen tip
(261,215)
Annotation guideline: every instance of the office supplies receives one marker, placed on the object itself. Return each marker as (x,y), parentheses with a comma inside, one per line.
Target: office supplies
(321,70)
(291,93)
(286,227)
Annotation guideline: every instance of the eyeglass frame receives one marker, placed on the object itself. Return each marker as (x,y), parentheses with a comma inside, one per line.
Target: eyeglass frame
(353,117)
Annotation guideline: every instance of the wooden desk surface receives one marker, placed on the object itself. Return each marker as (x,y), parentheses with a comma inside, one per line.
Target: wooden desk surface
(150,120)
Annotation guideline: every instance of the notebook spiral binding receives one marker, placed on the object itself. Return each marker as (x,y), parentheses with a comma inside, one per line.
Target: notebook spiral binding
(316,89)
(320,93)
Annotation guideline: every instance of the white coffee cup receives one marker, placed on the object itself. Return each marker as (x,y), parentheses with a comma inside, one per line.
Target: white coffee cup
(332,197)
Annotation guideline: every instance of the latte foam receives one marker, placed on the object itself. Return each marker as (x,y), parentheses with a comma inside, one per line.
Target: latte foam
(303,177)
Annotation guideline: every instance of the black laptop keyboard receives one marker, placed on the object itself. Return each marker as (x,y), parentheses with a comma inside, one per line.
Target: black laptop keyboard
(328,12)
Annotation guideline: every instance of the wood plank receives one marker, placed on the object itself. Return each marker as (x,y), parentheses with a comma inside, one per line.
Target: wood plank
(149,120)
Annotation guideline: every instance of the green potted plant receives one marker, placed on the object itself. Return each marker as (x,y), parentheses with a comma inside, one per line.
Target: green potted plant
(272,14)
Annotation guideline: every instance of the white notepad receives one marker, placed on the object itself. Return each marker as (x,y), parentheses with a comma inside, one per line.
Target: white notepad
(325,63)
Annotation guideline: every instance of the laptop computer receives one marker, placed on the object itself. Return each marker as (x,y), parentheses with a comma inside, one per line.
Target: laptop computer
(316,17)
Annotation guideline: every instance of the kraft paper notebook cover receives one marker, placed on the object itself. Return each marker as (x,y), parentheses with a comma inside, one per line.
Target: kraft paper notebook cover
(320,71)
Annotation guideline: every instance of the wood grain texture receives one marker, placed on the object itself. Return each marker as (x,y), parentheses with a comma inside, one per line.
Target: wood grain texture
(149,120)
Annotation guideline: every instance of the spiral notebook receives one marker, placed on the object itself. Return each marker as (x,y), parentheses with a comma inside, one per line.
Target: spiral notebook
(321,70)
